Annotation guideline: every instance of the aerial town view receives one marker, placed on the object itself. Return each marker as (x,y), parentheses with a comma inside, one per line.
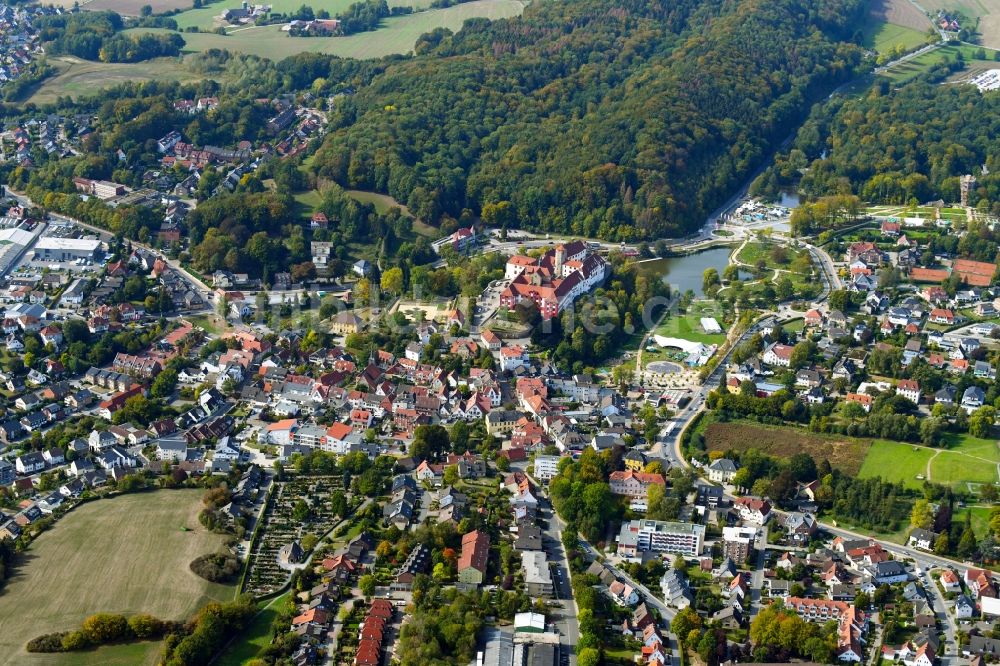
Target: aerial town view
(499,332)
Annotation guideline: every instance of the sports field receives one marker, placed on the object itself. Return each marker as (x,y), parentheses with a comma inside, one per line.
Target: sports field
(123,555)
(82,77)
(397,36)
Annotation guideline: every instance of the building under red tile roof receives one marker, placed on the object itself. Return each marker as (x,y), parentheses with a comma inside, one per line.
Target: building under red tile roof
(475,551)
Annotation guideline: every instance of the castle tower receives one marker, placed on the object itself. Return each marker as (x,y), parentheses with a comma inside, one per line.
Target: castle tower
(560,259)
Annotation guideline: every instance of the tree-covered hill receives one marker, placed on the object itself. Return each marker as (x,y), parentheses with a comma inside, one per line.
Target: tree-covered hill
(622,119)
(898,146)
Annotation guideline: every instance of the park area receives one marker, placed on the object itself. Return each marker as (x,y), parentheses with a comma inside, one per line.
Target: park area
(397,35)
(128,555)
(962,462)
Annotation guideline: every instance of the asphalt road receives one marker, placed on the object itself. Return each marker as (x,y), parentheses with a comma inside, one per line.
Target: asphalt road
(564,618)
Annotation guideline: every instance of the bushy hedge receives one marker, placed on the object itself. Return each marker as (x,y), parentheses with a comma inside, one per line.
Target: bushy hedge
(101,629)
(47,642)
(209,630)
(216,567)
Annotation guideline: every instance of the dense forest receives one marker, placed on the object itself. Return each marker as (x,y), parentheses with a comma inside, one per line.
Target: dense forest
(901,146)
(96,36)
(615,119)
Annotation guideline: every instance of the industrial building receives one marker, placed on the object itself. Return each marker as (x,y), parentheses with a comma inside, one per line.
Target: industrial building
(66,249)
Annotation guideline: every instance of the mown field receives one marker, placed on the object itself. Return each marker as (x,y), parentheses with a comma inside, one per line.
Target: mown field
(960,461)
(397,36)
(883,36)
(924,62)
(844,453)
(78,77)
(123,555)
(687,326)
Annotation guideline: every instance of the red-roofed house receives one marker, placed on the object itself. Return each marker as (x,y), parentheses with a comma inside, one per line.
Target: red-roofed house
(474,558)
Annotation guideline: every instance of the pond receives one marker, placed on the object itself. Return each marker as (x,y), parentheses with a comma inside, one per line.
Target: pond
(683,273)
(789,198)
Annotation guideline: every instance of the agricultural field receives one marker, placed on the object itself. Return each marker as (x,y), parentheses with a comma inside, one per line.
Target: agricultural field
(207,17)
(902,13)
(124,7)
(844,453)
(883,36)
(127,555)
(78,77)
(397,36)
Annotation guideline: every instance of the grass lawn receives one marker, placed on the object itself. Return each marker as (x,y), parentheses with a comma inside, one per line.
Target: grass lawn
(896,461)
(972,446)
(883,36)
(688,325)
(794,325)
(146,653)
(958,470)
(382,202)
(256,637)
(925,61)
(213,324)
(961,460)
(980,518)
(122,555)
(310,201)
(397,35)
(78,77)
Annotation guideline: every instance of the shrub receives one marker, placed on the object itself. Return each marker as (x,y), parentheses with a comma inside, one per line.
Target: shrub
(75,640)
(105,628)
(216,567)
(47,643)
(145,626)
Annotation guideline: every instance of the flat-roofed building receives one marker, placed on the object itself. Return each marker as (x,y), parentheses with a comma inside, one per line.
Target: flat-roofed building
(66,249)
(546,467)
(658,536)
(537,577)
